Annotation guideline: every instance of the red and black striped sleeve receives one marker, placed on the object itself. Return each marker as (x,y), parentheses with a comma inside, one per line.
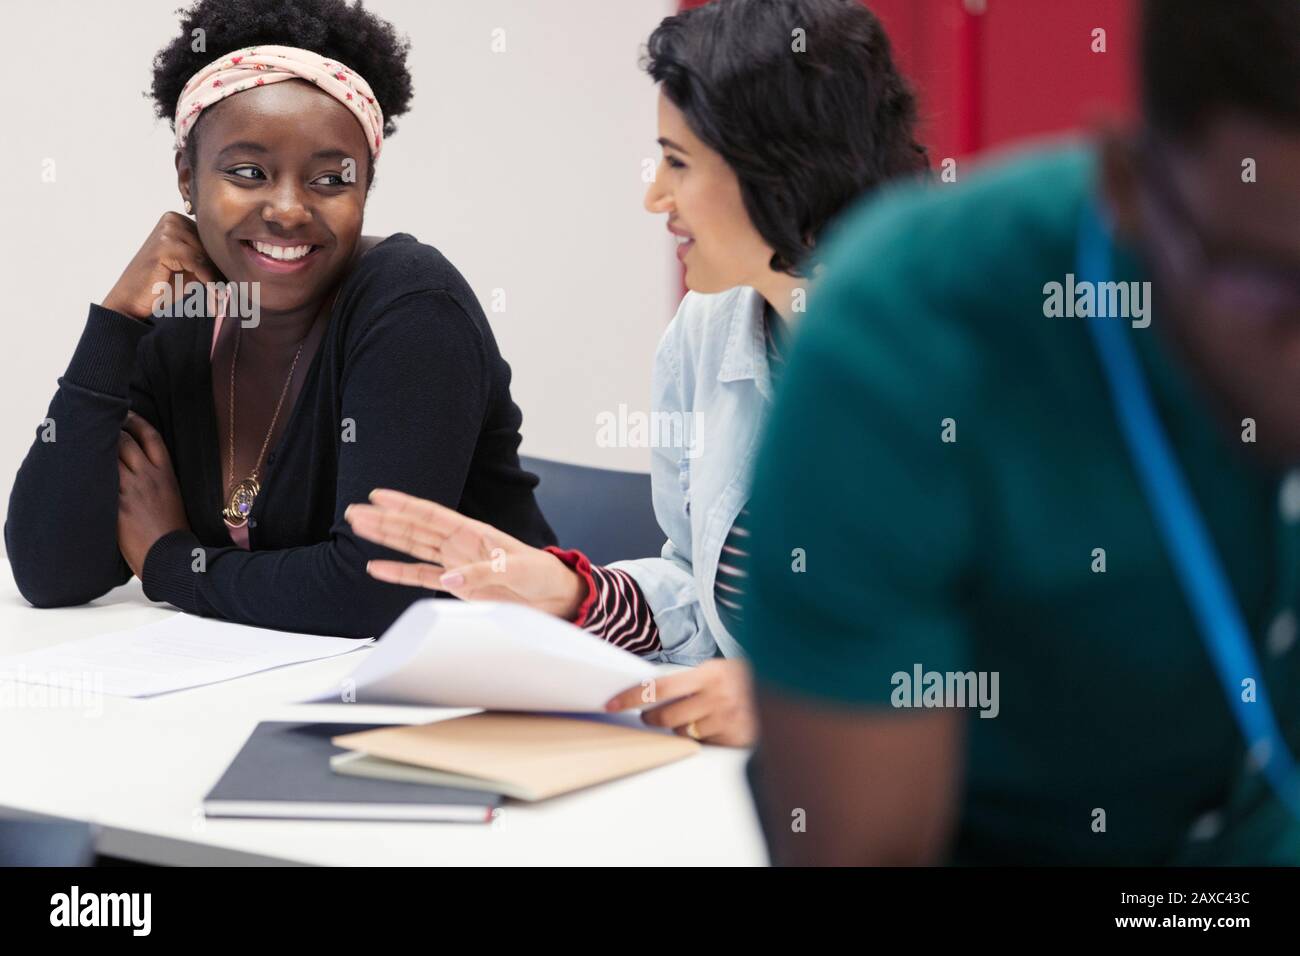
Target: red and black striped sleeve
(615,610)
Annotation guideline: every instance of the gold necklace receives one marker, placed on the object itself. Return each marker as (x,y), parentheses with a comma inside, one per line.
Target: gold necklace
(242,495)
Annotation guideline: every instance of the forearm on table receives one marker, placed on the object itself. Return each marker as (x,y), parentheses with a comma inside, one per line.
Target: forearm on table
(318,589)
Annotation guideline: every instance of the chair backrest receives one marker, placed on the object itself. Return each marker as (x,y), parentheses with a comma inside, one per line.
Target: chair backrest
(45,843)
(607,515)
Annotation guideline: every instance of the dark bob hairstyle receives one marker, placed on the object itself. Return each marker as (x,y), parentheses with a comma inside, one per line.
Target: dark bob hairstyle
(802,100)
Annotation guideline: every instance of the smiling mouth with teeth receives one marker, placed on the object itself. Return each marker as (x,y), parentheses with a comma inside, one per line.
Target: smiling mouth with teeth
(281,253)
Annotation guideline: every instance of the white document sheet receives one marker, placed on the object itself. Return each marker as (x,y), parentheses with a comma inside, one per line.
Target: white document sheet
(180,652)
(445,653)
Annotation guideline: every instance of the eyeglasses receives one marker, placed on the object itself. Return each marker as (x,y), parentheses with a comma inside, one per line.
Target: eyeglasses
(1246,288)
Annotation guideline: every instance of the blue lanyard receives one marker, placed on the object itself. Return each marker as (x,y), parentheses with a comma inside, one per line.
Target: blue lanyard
(1186,537)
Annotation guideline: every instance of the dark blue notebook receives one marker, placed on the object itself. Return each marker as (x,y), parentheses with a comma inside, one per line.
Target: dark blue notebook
(283,772)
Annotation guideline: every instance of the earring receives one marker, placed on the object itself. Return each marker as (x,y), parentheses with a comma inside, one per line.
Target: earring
(189,208)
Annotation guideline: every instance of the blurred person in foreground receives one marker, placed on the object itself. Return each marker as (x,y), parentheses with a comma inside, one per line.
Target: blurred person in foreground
(1006,636)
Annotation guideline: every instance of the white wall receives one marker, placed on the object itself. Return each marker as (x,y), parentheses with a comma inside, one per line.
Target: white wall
(523,167)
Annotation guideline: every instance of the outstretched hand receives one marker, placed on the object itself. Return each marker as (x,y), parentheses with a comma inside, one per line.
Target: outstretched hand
(466,558)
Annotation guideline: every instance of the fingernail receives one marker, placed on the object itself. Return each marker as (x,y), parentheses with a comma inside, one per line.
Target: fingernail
(612,704)
(452,579)
(347,516)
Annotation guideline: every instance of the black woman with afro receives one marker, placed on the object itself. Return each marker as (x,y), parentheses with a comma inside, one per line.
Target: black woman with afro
(262,364)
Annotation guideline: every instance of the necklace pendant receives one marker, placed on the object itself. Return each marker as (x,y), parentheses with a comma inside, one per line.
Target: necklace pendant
(240,503)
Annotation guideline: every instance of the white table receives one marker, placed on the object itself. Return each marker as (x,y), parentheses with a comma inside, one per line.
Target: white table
(138,770)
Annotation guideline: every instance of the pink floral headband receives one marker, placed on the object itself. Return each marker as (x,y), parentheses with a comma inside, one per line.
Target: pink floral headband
(262,65)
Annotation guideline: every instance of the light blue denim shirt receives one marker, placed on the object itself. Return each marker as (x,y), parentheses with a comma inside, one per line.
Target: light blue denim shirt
(712,391)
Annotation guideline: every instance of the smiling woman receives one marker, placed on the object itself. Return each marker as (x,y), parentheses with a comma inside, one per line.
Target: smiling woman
(215,458)
(764,142)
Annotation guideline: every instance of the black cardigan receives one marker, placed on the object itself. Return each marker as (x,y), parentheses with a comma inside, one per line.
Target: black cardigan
(408,356)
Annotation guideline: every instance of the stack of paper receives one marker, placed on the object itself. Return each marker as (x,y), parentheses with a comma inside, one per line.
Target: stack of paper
(443,653)
(179,652)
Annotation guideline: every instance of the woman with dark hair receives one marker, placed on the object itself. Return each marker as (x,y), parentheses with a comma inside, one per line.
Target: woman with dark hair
(774,115)
(213,456)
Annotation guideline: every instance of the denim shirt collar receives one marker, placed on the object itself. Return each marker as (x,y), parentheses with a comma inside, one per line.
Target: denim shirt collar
(745,354)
